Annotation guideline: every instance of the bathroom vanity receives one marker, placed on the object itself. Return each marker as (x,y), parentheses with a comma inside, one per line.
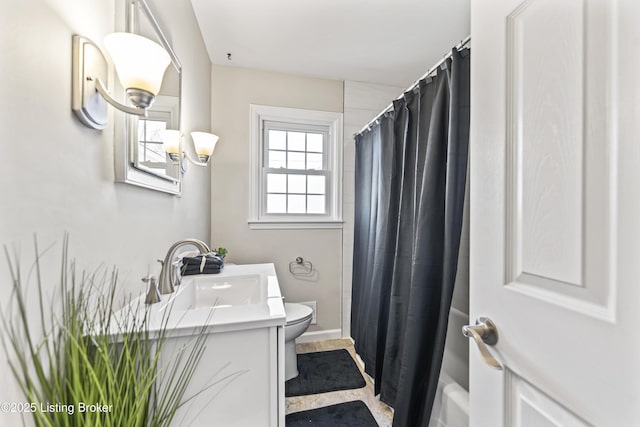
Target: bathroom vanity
(240,378)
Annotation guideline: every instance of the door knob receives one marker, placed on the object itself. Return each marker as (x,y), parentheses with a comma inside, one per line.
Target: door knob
(484,333)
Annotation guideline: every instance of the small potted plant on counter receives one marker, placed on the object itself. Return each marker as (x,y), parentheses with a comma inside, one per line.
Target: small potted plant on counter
(221,252)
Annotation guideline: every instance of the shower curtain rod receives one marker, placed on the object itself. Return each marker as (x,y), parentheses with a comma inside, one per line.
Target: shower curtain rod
(425,75)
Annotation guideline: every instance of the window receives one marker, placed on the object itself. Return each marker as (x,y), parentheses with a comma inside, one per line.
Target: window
(150,149)
(296,168)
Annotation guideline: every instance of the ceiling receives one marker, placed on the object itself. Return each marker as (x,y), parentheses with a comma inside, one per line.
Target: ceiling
(379,41)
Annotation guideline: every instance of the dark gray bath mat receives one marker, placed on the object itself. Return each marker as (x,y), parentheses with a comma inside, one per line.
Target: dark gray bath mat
(351,414)
(324,371)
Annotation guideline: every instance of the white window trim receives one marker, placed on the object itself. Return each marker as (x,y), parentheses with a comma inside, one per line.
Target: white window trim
(258,115)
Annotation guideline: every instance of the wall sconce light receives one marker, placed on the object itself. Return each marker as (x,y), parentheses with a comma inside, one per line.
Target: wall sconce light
(140,64)
(203,142)
(171,141)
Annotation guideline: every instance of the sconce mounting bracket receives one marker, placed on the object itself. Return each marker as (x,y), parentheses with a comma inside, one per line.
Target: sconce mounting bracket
(89,64)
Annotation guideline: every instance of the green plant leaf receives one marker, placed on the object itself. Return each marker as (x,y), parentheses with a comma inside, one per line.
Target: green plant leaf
(69,354)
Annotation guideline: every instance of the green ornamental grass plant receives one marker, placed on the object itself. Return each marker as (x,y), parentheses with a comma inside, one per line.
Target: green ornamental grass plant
(68,358)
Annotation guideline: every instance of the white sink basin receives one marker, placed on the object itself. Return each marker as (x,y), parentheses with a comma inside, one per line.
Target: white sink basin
(240,296)
(220,291)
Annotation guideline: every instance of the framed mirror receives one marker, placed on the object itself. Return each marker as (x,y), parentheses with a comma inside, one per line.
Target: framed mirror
(140,158)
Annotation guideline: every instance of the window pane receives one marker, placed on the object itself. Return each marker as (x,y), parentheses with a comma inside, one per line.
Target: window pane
(277,140)
(297,184)
(314,142)
(315,184)
(277,159)
(276,183)
(296,204)
(295,160)
(314,161)
(141,130)
(276,203)
(154,153)
(154,130)
(296,141)
(315,204)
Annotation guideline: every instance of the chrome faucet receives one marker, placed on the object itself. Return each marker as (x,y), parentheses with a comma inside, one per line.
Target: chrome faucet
(168,275)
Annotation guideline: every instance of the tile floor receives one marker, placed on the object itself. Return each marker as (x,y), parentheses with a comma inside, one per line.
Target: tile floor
(381,412)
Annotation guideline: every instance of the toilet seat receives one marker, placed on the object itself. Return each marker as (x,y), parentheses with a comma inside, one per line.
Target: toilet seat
(299,318)
(297,313)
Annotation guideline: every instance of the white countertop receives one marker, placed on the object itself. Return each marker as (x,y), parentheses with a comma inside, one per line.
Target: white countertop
(186,318)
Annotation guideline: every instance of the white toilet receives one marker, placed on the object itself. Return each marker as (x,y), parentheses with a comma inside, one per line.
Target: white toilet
(298,320)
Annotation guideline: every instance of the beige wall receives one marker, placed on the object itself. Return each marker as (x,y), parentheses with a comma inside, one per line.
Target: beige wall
(233,90)
(56,174)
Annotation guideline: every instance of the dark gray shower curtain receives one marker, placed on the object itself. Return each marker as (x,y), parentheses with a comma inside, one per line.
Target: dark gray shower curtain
(410,184)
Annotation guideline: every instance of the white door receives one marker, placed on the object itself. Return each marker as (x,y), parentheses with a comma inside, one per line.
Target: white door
(555,211)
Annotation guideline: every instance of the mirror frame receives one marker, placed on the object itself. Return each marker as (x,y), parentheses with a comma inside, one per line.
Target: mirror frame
(125,138)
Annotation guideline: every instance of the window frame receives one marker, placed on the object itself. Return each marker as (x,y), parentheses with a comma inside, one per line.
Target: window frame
(264,118)
(153,116)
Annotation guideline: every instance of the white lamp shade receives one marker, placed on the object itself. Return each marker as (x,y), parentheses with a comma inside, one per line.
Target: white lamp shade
(171,141)
(139,62)
(204,143)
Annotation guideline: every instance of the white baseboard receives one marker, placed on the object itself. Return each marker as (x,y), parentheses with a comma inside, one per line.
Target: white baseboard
(328,334)
(361,363)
